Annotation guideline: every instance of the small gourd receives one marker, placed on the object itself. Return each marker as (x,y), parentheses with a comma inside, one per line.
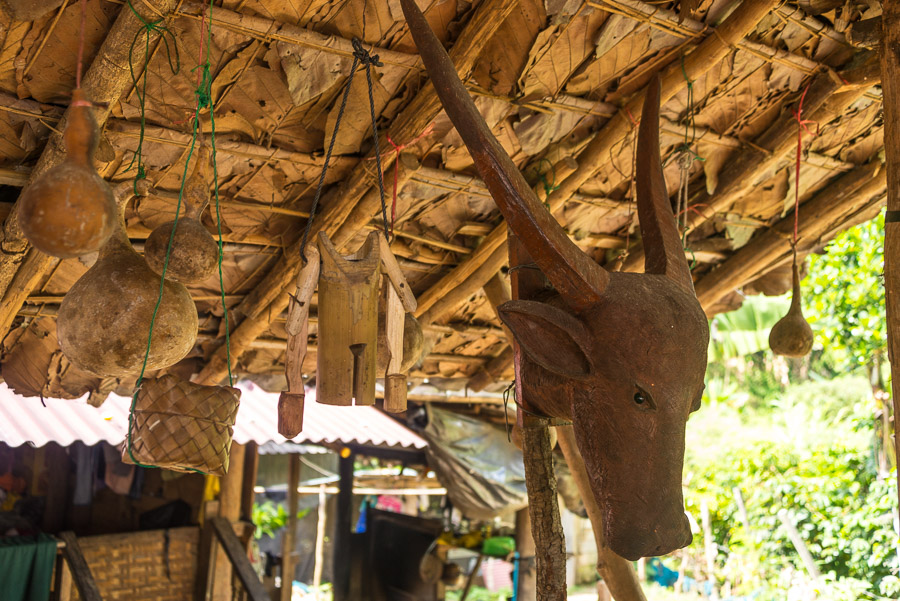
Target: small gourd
(70,210)
(104,319)
(792,336)
(195,254)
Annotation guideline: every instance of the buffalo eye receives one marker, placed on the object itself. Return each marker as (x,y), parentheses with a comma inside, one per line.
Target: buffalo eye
(642,400)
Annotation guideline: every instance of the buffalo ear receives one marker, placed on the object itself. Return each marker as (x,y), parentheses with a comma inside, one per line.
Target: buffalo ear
(550,337)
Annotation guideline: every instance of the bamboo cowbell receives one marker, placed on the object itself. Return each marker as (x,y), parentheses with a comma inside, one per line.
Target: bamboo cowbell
(348,322)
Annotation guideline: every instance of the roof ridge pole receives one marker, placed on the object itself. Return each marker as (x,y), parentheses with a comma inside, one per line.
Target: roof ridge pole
(107,78)
(890,82)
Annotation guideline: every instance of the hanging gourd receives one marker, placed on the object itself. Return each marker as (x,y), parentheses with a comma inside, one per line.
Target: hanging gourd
(70,210)
(195,254)
(792,336)
(105,318)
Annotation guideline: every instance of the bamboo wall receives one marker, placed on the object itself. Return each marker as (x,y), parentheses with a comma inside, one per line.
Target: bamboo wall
(139,566)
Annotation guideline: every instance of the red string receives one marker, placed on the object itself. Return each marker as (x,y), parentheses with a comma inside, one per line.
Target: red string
(631,118)
(398,148)
(801,127)
(81,44)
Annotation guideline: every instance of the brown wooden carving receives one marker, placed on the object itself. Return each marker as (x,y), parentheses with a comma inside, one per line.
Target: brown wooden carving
(348,321)
(622,355)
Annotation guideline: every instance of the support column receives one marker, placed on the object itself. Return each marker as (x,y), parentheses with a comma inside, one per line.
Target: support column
(251,468)
(230,509)
(289,540)
(890,82)
(343,525)
(525,547)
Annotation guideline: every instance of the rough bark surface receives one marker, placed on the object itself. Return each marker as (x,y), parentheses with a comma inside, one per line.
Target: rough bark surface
(543,506)
(890,65)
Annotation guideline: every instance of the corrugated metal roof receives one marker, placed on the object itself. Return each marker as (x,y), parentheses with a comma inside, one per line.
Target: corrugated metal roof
(31,421)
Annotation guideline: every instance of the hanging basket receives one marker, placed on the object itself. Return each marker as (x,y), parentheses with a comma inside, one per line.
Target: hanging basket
(182,426)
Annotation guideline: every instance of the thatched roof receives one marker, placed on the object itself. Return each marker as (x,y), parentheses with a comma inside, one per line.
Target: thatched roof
(558,81)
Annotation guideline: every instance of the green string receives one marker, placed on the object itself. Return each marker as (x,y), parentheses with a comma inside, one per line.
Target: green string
(203,94)
(148,28)
(551,186)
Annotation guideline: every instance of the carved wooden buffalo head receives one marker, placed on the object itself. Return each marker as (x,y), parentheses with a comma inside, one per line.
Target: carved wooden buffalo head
(622,355)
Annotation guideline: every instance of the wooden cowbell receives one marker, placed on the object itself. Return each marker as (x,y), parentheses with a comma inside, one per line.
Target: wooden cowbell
(346,356)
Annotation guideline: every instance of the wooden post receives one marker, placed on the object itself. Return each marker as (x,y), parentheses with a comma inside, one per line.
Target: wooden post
(802,550)
(251,468)
(229,509)
(525,547)
(320,543)
(890,81)
(81,571)
(344,523)
(289,540)
(709,546)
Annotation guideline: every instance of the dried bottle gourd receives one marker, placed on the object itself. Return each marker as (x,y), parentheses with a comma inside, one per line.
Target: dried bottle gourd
(792,336)
(104,319)
(195,253)
(70,210)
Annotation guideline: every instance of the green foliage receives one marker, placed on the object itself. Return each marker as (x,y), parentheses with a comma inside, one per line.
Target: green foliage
(269,518)
(478,593)
(808,453)
(844,296)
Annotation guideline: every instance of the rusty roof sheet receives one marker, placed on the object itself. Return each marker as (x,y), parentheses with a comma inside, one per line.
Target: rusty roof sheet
(38,422)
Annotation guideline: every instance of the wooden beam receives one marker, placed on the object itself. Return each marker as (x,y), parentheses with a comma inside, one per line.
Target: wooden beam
(269,298)
(251,469)
(107,78)
(822,212)
(237,558)
(268,30)
(714,48)
(81,571)
(890,67)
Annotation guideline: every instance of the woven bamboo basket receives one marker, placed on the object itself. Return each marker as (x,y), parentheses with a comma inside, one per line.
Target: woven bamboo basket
(183,426)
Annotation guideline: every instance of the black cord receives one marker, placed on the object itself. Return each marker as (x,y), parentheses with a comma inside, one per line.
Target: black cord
(360,56)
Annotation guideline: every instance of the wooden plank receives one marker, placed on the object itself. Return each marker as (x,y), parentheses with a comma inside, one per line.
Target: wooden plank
(251,469)
(81,572)
(890,66)
(395,276)
(238,559)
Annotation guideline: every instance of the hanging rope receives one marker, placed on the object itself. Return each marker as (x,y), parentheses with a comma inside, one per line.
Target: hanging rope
(360,56)
(685,155)
(148,28)
(81,35)
(801,127)
(203,95)
(398,148)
